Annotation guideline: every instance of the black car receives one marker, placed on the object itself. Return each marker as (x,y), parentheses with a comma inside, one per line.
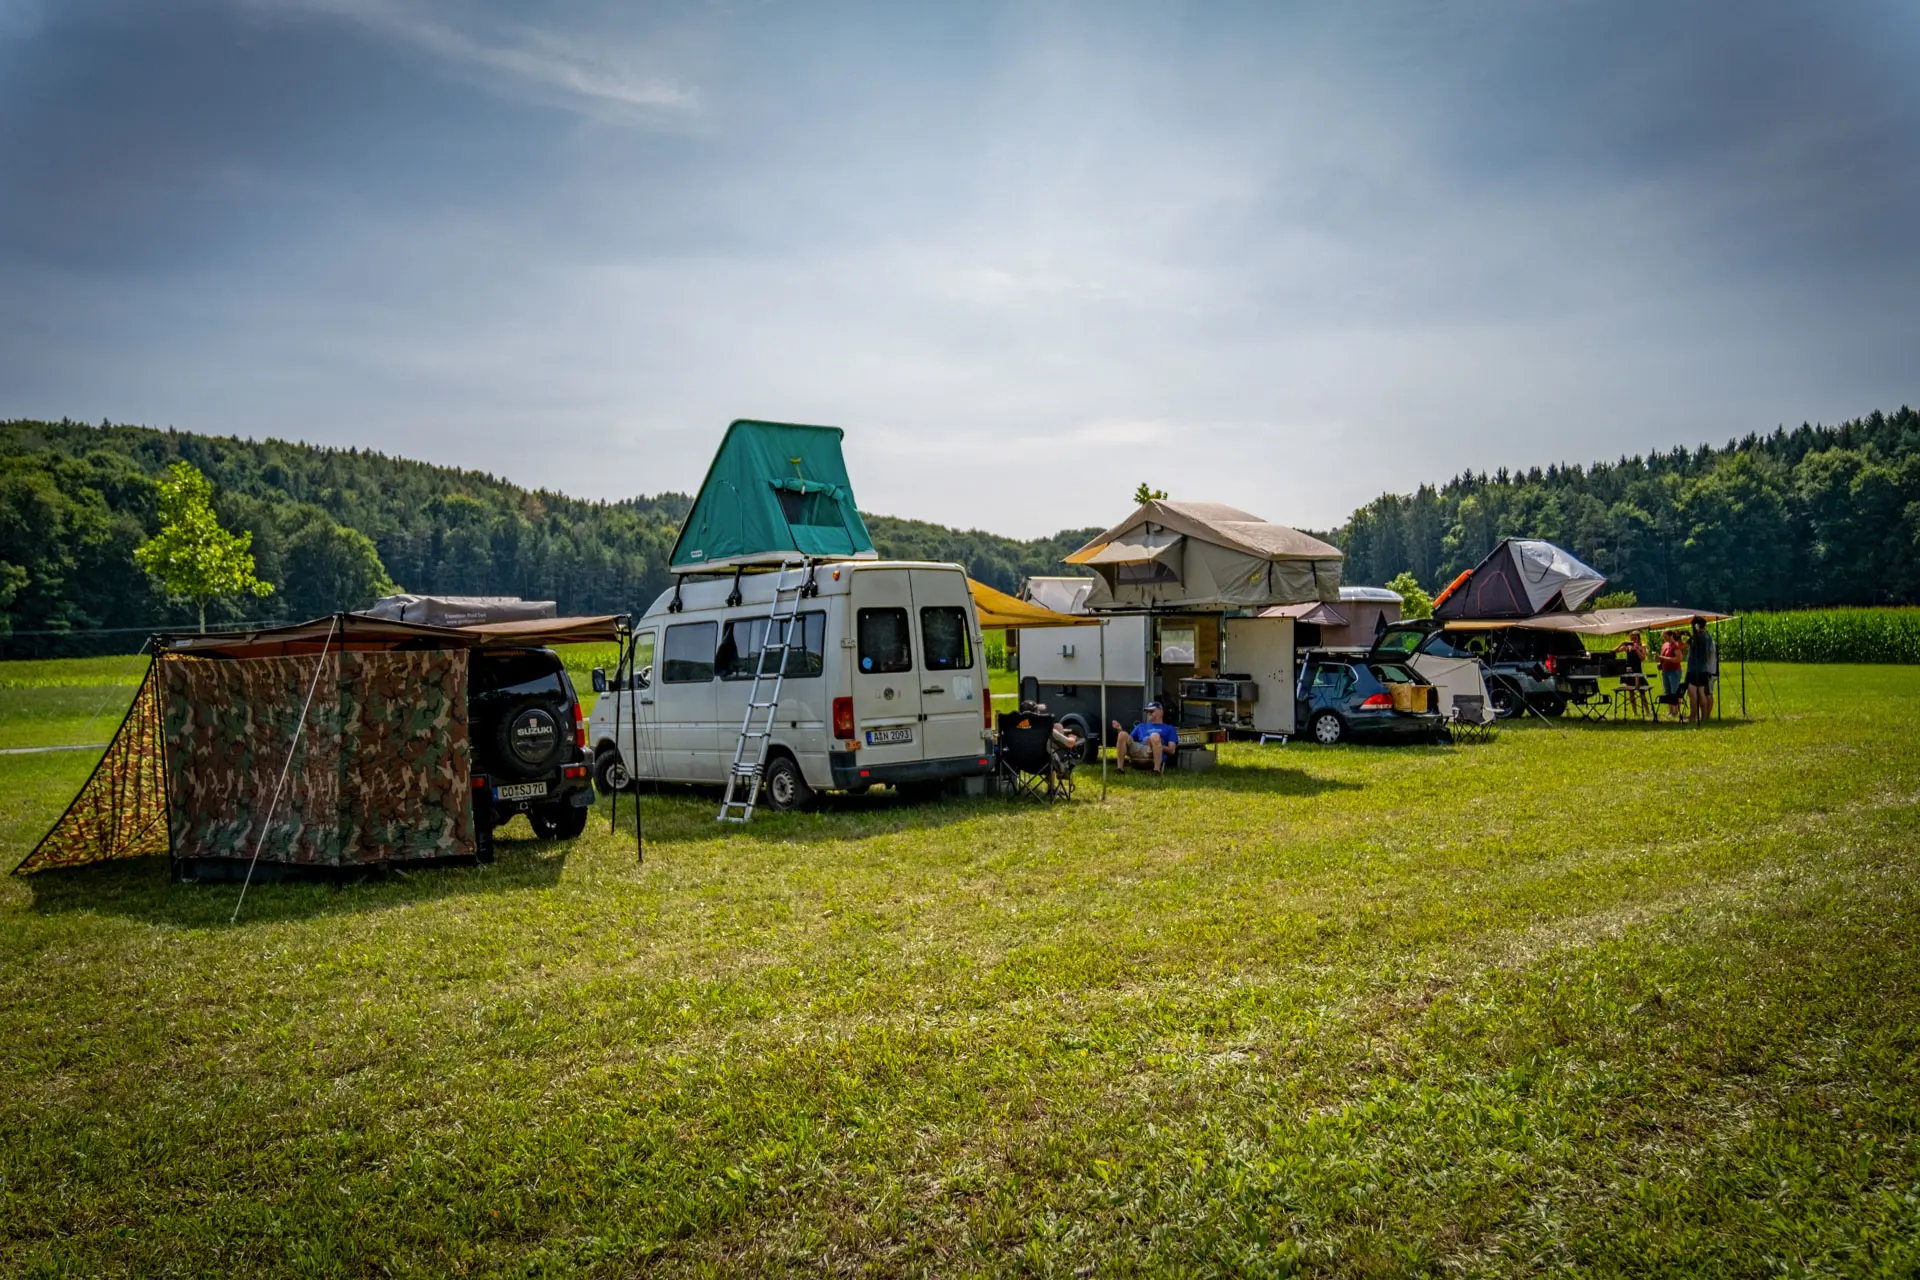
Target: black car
(1526,668)
(1348,696)
(529,745)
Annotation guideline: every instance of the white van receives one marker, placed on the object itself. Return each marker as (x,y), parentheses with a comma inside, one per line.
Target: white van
(887,683)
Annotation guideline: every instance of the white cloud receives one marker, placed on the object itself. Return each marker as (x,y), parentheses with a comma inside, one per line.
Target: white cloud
(573,70)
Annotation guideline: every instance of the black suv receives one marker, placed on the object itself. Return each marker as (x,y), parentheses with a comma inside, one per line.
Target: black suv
(529,745)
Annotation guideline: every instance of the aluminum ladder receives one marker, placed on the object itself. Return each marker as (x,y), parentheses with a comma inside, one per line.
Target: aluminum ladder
(750,753)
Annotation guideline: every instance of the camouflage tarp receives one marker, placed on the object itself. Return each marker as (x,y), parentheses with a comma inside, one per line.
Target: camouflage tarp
(121,811)
(381,771)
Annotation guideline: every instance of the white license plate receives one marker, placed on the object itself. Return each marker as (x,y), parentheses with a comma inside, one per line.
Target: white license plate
(887,737)
(520,791)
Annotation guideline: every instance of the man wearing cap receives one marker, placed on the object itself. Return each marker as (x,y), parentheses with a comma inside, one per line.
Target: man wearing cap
(1152,741)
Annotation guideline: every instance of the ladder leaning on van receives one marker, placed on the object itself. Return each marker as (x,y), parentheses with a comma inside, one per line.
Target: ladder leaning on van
(750,752)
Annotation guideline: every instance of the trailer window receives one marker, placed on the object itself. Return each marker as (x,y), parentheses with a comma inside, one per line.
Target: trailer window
(689,657)
(945,639)
(743,647)
(884,642)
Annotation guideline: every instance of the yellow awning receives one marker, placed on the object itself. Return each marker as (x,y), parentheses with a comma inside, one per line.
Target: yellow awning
(997,609)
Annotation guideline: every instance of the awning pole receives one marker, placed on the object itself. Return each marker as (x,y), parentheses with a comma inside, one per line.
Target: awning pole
(1103,710)
(319,664)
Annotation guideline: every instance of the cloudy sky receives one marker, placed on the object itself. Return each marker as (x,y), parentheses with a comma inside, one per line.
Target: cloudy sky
(1285,256)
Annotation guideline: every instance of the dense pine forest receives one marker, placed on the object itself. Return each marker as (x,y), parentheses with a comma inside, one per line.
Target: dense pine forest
(1807,517)
(333,528)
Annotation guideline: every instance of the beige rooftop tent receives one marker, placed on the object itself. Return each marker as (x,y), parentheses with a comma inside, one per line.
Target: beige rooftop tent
(1206,555)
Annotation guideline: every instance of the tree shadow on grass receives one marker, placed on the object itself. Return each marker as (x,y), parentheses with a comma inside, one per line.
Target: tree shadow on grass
(143,889)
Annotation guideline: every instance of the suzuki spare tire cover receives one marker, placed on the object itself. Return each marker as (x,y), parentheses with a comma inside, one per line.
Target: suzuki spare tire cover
(529,739)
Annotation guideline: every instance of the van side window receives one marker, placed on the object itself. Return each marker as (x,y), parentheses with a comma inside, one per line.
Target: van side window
(743,646)
(944,637)
(689,658)
(643,658)
(884,642)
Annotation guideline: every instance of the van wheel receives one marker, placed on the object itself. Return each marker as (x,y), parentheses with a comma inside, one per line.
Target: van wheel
(1328,728)
(610,772)
(784,789)
(561,821)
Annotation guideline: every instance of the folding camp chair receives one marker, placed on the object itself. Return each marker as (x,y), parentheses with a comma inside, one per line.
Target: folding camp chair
(1468,720)
(1028,763)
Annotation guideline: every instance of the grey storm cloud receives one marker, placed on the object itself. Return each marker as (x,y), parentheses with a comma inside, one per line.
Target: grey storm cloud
(1283,256)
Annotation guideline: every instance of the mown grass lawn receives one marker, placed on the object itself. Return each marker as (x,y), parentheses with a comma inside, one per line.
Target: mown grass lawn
(1607,1000)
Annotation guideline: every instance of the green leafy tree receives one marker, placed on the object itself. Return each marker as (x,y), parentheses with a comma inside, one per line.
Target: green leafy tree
(1414,602)
(192,557)
(1146,493)
(1616,600)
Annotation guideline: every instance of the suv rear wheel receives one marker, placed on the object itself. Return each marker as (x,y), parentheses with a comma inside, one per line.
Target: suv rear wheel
(557,821)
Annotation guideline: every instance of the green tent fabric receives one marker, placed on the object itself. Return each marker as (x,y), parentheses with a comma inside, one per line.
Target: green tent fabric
(775,491)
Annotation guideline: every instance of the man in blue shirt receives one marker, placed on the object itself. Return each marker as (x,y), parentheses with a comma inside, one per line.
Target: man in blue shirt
(1152,741)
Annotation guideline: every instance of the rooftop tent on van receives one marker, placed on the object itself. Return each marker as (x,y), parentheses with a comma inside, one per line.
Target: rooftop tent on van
(1519,578)
(775,491)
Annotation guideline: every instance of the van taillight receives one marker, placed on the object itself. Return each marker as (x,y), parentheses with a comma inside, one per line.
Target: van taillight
(986,707)
(843,717)
(579,726)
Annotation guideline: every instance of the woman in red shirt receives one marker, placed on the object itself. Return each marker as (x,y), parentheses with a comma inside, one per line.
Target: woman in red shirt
(1673,658)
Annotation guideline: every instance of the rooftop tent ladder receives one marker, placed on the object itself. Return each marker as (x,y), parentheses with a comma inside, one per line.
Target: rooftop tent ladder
(774,492)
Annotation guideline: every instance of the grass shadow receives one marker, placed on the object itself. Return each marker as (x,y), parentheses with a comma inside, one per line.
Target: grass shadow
(142,888)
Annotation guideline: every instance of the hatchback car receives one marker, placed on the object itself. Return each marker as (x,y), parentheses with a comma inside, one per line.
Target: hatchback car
(1342,697)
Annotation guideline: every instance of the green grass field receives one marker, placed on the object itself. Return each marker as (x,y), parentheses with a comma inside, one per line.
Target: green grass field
(1612,1000)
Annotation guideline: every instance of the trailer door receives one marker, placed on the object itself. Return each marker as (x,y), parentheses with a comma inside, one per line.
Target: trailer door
(886,674)
(952,666)
(1263,648)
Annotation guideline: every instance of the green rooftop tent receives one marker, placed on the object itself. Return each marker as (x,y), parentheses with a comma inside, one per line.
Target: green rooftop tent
(776,491)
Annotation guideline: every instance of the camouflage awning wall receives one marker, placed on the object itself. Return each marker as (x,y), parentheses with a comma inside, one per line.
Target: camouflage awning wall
(121,811)
(380,773)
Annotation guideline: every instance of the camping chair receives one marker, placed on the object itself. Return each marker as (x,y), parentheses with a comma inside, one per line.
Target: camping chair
(1027,764)
(1468,720)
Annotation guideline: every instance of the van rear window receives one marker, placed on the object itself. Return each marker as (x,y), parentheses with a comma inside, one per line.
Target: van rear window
(945,640)
(689,653)
(884,642)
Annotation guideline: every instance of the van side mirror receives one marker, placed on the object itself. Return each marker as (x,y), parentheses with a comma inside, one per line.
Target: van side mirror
(599,679)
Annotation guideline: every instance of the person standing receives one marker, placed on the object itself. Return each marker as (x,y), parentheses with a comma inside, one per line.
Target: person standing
(1633,652)
(1672,658)
(1703,664)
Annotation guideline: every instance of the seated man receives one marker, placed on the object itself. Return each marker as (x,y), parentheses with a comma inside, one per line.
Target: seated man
(1152,741)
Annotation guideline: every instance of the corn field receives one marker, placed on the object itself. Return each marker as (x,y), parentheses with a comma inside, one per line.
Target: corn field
(1824,635)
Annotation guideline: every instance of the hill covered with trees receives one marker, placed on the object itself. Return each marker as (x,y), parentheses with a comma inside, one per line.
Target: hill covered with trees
(333,528)
(1809,517)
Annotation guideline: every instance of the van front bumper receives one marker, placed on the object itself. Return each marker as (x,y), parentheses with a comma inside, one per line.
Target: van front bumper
(850,775)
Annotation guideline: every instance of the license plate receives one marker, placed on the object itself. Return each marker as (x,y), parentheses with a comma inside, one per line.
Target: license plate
(887,737)
(520,791)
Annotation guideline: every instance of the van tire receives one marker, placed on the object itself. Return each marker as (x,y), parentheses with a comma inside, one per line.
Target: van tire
(610,773)
(784,789)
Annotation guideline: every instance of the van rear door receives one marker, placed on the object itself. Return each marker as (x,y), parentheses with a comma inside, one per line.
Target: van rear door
(952,670)
(886,672)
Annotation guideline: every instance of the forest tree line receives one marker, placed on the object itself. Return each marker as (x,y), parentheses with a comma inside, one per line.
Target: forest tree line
(1811,517)
(335,528)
